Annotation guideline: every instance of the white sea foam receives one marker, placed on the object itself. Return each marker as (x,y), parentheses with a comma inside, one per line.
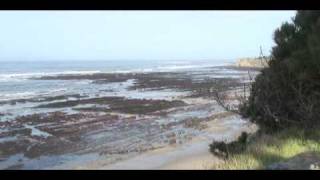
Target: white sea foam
(187,66)
(19,95)
(24,76)
(30,94)
(178,67)
(164,68)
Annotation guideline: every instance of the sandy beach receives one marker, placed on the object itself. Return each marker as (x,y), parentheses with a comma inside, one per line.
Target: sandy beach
(191,155)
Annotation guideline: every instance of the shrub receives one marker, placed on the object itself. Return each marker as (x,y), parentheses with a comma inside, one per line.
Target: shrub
(287,93)
(223,150)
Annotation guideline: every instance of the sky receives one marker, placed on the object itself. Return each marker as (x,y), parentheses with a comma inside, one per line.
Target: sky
(137,35)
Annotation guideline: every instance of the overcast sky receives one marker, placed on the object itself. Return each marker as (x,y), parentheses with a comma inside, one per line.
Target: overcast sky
(130,35)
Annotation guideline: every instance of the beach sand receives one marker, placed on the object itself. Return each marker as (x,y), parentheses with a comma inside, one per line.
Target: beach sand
(192,155)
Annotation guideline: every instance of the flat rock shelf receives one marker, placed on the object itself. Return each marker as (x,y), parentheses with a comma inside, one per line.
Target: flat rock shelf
(110,120)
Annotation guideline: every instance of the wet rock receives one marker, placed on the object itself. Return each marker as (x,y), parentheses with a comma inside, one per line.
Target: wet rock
(195,123)
(172,141)
(13,147)
(304,161)
(170,135)
(120,104)
(66,131)
(41,99)
(15,167)
(97,78)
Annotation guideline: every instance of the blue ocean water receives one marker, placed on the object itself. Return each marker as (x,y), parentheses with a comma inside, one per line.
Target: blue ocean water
(11,67)
(28,67)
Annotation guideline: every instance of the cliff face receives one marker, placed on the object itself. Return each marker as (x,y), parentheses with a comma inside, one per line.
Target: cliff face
(252,62)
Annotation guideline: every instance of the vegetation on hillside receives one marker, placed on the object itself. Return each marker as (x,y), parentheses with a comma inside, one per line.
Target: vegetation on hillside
(265,149)
(287,93)
(284,100)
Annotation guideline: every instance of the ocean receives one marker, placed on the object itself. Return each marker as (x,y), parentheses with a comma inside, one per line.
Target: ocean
(15,76)
(16,81)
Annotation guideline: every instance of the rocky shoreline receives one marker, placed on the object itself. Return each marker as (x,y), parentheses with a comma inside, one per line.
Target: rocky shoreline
(154,110)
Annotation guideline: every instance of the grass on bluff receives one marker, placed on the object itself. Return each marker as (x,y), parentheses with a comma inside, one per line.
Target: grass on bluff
(264,150)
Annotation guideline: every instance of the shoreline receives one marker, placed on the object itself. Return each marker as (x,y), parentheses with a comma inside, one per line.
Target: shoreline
(191,155)
(148,115)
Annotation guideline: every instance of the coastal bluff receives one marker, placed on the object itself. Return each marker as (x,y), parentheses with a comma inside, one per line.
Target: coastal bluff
(252,62)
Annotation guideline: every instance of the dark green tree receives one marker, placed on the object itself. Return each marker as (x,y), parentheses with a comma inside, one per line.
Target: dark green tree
(287,93)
